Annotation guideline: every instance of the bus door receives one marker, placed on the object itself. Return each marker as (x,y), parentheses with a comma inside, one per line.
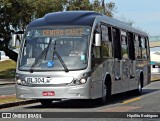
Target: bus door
(132,81)
(118,84)
(126,63)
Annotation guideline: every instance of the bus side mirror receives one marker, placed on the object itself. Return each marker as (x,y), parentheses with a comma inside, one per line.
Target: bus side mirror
(13,40)
(97,39)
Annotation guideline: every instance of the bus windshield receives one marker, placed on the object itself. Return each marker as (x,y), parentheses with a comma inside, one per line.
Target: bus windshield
(55,48)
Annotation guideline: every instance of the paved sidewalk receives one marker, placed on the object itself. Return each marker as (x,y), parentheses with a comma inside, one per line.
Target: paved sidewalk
(7,81)
(155,77)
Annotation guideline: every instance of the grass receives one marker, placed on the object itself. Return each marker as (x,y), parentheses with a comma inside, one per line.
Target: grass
(7,69)
(9,99)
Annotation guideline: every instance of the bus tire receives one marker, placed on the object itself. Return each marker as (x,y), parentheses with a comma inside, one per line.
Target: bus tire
(140,85)
(139,90)
(106,91)
(102,100)
(46,102)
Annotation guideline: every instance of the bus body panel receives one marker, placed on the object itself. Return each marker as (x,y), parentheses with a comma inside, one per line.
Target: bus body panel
(99,75)
(61,90)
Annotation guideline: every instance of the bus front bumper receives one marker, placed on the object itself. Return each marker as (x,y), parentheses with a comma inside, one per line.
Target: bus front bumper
(57,92)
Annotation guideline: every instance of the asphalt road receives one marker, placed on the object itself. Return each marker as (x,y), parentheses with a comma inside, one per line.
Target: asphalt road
(125,102)
(7,90)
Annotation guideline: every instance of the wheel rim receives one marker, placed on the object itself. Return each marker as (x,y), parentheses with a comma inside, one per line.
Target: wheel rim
(140,87)
(104,90)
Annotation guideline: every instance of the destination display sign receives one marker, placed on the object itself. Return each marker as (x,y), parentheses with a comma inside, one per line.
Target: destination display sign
(64,31)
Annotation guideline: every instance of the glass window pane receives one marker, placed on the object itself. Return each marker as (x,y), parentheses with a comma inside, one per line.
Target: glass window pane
(71,43)
(124,46)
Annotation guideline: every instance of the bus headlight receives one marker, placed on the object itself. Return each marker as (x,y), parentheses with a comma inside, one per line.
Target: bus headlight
(79,81)
(19,81)
(82,81)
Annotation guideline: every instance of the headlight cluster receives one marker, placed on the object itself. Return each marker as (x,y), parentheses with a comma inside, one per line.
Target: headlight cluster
(81,81)
(21,82)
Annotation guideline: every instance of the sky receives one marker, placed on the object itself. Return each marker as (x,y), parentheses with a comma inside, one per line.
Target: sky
(145,14)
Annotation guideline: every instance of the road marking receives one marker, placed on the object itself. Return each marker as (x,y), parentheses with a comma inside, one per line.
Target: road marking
(131,100)
(119,109)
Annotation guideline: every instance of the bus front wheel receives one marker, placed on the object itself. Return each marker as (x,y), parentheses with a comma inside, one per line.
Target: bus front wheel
(106,94)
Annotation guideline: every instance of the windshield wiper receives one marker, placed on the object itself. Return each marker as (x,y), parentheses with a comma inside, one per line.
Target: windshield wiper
(41,55)
(59,57)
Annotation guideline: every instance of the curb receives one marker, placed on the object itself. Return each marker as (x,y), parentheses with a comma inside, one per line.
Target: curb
(156,80)
(7,83)
(7,105)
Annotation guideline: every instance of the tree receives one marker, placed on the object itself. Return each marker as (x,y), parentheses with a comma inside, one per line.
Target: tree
(42,7)
(79,5)
(110,8)
(98,6)
(16,14)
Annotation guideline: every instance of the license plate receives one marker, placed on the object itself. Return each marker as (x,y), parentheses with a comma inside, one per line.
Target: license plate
(45,80)
(38,80)
(48,93)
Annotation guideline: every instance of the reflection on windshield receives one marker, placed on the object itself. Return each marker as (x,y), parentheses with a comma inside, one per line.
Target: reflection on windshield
(51,62)
(72,47)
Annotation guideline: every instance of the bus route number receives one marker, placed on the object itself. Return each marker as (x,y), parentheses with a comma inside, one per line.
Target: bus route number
(37,80)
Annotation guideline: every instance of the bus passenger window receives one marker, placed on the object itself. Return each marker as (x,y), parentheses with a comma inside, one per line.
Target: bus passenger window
(106,48)
(116,42)
(147,47)
(137,44)
(124,45)
(144,49)
(131,46)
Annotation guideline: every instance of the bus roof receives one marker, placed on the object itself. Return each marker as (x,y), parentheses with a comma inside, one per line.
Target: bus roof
(85,18)
(123,25)
(66,18)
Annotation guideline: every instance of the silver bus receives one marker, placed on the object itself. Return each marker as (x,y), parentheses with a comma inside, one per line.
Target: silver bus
(81,55)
